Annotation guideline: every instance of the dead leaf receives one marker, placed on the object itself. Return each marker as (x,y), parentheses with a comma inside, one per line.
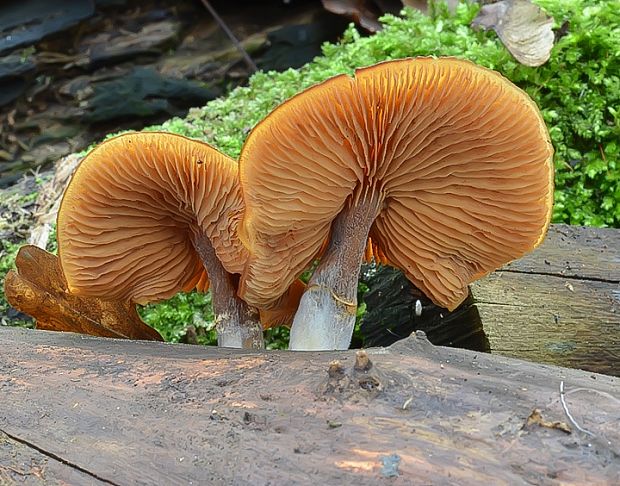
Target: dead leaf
(39,289)
(536,418)
(363,12)
(366,13)
(523,28)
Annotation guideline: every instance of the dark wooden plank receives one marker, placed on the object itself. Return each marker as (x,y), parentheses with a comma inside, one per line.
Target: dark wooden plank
(558,305)
(575,251)
(21,464)
(550,319)
(151,413)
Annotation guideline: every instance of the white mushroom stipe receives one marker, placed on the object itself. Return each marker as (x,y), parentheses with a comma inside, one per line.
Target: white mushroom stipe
(237,324)
(326,315)
(233,334)
(321,323)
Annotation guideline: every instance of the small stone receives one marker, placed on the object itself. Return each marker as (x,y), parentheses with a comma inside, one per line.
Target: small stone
(418,308)
(390,466)
(333,424)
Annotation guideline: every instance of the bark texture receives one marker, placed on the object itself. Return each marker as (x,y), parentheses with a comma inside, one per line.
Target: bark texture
(125,412)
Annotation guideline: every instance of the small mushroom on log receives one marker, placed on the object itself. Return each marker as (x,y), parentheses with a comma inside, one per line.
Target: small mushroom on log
(361,381)
(439,166)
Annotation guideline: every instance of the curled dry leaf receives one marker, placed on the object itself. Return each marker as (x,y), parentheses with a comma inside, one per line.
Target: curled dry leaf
(523,28)
(536,418)
(39,289)
(364,13)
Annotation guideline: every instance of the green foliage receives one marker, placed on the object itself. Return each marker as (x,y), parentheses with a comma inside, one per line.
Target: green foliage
(173,317)
(277,338)
(577,90)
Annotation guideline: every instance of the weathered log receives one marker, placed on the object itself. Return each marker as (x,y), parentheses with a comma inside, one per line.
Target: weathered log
(21,464)
(126,412)
(559,305)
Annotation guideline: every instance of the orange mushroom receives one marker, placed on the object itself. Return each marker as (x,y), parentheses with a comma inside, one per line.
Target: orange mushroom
(147,215)
(445,165)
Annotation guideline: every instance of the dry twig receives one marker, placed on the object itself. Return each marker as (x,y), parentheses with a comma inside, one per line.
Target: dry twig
(246,57)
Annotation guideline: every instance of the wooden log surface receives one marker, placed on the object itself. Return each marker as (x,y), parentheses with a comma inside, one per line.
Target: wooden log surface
(20,463)
(560,304)
(89,410)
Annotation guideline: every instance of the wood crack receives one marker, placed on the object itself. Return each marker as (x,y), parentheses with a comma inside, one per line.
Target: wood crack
(499,304)
(559,275)
(56,457)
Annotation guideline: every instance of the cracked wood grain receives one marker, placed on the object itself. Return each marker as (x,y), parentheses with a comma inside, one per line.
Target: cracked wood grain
(153,413)
(560,304)
(22,464)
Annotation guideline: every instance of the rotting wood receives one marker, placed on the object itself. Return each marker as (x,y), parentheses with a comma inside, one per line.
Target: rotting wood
(174,47)
(167,414)
(21,464)
(560,304)
(548,319)
(580,252)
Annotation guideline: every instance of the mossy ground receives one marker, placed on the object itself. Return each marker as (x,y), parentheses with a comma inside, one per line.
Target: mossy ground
(577,90)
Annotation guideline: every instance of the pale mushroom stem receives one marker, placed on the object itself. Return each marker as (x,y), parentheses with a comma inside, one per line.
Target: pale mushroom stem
(238,324)
(326,315)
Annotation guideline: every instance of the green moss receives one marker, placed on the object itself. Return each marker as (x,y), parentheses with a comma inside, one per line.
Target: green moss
(173,317)
(577,90)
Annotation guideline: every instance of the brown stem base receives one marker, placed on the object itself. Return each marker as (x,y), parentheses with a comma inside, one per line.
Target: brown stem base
(326,315)
(237,324)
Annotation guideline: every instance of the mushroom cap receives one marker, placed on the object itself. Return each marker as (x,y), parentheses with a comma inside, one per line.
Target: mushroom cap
(127,218)
(459,157)
(283,311)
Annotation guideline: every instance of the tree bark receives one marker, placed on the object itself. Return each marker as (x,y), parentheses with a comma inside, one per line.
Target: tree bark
(126,412)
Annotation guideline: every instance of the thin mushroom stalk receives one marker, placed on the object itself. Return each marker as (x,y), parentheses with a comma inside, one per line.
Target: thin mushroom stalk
(326,315)
(445,168)
(237,324)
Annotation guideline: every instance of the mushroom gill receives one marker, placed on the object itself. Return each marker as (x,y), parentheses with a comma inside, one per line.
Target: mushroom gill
(147,215)
(445,165)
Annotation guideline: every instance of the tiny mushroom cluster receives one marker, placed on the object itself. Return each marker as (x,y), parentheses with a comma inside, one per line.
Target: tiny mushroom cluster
(436,166)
